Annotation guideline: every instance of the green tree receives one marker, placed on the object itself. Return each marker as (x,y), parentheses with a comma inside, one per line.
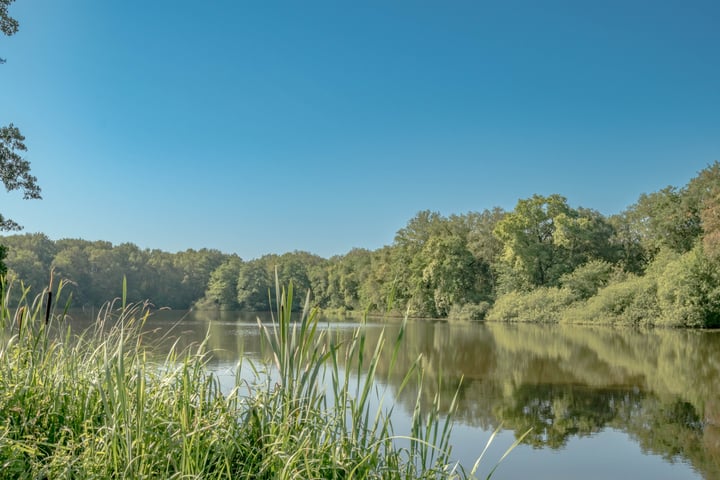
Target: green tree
(408,262)
(662,219)
(161,280)
(107,269)
(223,285)
(485,248)
(72,264)
(377,290)
(710,217)
(299,268)
(527,234)
(195,266)
(28,259)
(676,218)
(631,253)
(14,169)
(450,273)
(543,238)
(346,276)
(688,291)
(703,199)
(253,284)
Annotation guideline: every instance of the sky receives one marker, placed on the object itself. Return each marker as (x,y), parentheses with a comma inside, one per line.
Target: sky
(258,127)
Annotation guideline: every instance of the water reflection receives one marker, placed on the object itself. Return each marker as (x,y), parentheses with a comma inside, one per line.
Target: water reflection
(660,387)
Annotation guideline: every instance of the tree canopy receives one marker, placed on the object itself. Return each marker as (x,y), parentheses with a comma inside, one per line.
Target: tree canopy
(8,25)
(544,261)
(14,169)
(544,238)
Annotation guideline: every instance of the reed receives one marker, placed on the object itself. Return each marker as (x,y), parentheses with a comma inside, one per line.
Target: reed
(100,404)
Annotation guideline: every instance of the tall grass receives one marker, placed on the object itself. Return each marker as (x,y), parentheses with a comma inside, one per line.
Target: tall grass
(102,405)
(96,406)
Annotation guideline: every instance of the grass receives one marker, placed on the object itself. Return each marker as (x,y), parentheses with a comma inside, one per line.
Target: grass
(100,405)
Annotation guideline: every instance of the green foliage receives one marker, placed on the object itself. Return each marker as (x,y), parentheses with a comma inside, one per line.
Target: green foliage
(675,218)
(14,170)
(543,239)
(438,263)
(704,194)
(630,251)
(346,276)
(253,285)
(585,280)
(689,291)
(668,241)
(439,266)
(469,311)
(527,237)
(541,305)
(677,291)
(3,255)
(8,25)
(710,217)
(255,278)
(450,273)
(222,287)
(631,301)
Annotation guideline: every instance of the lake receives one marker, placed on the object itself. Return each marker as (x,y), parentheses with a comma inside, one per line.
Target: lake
(602,402)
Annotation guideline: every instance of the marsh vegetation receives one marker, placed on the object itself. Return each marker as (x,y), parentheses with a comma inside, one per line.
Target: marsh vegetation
(107,403)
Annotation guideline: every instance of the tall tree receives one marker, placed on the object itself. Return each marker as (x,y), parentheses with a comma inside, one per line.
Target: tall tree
(486,249)
(222,286)
(449,275)
(253,285)
(543,238)
(664,219)
(703,200)
(14,169)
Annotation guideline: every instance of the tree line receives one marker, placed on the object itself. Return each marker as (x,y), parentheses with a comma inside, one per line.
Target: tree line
(655,262)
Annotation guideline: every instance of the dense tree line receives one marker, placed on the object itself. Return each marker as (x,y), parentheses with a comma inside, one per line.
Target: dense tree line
(95,270)
(656,262)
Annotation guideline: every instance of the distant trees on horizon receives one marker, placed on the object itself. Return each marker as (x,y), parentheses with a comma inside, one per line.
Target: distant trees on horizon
(544,260)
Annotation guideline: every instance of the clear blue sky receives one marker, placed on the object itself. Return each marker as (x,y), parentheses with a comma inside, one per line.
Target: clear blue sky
(265,127)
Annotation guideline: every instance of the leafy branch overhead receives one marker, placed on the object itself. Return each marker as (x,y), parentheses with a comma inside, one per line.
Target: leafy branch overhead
(14,169)
(8,25)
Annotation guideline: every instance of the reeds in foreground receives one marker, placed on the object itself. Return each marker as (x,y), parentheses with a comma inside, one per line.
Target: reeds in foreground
(99,405)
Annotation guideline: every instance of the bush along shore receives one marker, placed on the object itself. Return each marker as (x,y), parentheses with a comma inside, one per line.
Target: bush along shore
(101,405)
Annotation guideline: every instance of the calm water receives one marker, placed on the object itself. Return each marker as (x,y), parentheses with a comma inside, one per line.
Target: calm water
(603,403)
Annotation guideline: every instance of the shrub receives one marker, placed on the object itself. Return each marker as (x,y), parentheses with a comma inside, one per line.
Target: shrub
(689,291)
(587,279)
(469,311)
(542,305)
(632,301)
